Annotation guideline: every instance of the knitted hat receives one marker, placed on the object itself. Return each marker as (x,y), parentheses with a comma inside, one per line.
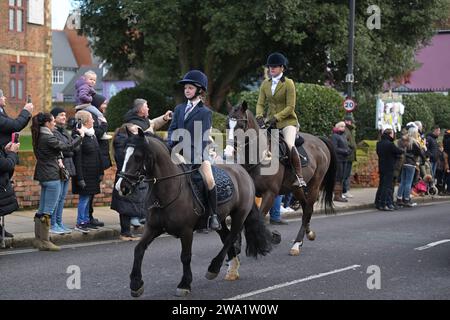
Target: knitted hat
(57,110)
(349,117)
(98,100)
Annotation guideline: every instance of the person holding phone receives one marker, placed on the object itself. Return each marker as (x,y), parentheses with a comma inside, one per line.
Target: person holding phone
(8,200)
(9,125)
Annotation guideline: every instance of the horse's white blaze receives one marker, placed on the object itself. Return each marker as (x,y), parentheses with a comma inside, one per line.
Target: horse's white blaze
(128,154)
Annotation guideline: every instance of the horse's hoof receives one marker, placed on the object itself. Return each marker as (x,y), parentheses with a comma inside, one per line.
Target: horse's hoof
(311,236)
(210,275)
(276,237)
(182,292)
(137,293)
(294,252)
(232,276)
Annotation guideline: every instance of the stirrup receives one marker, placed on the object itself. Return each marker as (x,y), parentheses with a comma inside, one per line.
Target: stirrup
(300,182)
(211,225)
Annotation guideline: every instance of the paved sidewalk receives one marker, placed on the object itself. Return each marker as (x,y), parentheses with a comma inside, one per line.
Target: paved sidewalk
(21,223)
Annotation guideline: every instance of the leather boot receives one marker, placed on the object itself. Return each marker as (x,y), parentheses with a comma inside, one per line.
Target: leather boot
(37,242)
(297,165)
(213,220)
(47,245)
(338,193)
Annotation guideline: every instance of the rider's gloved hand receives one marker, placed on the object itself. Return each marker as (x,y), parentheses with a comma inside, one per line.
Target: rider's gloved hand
(260,121)
(272,122)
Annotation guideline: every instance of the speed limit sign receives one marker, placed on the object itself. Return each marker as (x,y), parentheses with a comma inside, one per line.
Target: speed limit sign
(349,105)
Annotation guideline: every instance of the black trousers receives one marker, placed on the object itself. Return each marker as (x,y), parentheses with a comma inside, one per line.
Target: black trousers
(125,225)
(384,196)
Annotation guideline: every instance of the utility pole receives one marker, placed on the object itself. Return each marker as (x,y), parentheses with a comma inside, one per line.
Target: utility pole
(351,44)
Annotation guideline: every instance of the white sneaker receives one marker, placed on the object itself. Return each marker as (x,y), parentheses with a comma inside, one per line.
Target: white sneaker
(285,210)
(106,137)
(347,195)
(135,222)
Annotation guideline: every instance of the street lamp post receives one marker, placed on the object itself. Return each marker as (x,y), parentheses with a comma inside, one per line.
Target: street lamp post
(351,44)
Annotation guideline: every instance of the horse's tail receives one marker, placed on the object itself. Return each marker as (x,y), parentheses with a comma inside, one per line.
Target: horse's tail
(257,236)
(329,181)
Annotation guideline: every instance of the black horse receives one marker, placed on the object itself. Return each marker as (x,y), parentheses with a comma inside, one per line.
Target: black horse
(319,174)
(176,212)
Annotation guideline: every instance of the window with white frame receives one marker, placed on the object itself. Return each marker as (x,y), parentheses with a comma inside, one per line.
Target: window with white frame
(16,15)
(58,77)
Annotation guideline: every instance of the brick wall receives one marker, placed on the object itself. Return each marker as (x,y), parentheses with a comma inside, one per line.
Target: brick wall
(28,190)
(365,170)
(31,47)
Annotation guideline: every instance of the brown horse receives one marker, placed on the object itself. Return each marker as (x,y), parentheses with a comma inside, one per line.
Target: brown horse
(319,174)
(176,212)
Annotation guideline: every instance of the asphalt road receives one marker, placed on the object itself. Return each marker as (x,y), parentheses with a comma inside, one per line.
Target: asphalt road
(364,255)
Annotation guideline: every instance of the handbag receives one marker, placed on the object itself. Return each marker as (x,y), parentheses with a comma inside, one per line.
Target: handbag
(64,174)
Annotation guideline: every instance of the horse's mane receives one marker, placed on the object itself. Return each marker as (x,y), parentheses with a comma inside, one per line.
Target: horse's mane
(159,139)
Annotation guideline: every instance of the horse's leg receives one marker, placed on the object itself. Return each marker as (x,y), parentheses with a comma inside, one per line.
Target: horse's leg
(136,283)
(216,263)
(267,202)
(233,260)
(184,287)
(307,208)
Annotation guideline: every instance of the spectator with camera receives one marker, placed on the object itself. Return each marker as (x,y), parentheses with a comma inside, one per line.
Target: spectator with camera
(49,171)
(9,125)
(89,168)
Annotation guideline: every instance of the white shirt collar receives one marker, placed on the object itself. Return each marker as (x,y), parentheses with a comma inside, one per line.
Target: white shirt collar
(277,79)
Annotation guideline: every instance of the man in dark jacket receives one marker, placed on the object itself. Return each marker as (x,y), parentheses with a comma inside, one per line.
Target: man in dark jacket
(387,153)
(8,201)
(9,125)
(342,152)
(433,148)
(349,134)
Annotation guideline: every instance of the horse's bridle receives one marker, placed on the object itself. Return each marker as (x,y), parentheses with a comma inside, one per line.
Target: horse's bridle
(139,177)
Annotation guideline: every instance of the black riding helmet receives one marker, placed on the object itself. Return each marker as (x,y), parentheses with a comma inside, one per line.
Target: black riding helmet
(276,59)
(196,78)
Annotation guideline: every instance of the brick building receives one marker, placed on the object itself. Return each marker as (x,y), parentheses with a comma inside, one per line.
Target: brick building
(25,53)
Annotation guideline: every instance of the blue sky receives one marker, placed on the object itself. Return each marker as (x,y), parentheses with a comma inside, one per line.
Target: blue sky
(60,12)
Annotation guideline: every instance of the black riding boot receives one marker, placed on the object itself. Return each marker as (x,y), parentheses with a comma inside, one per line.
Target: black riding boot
(213,219)
(297,165)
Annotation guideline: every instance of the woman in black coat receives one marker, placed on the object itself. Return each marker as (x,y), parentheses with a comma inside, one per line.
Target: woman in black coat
(8,201)
(89,167)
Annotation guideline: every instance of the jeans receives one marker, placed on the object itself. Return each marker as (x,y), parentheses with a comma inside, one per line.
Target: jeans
(407,176)
(275,210)
(57,217)
(347,176)
(287,199)
(433,169)
(83,209)
(50,191)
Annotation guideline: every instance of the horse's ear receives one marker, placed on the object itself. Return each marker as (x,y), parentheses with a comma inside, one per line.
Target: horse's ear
(141,132)
(244,106)
(229,106)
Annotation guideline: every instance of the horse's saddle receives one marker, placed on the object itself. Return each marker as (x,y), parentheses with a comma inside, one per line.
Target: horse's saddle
(285,152)
(224,186)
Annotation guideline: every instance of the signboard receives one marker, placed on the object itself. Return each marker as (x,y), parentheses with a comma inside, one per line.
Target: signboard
(349,105)
(36,12)
(389,114)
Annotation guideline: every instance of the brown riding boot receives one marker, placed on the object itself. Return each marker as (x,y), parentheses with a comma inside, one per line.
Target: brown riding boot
(338,193)
(297,165)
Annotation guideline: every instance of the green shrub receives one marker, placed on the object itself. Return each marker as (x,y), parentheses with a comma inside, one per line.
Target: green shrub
(122,102)
(318,108)
(439,105)
(219,121)
(365,115)
(417,109)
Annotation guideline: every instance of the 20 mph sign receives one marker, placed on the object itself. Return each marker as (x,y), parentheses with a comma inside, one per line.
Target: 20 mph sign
(349,105)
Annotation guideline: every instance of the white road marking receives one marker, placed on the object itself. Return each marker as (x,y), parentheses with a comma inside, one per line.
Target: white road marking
(290,283)
(433,244)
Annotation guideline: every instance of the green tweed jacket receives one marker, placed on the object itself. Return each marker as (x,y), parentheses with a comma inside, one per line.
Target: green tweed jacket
(281,105)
